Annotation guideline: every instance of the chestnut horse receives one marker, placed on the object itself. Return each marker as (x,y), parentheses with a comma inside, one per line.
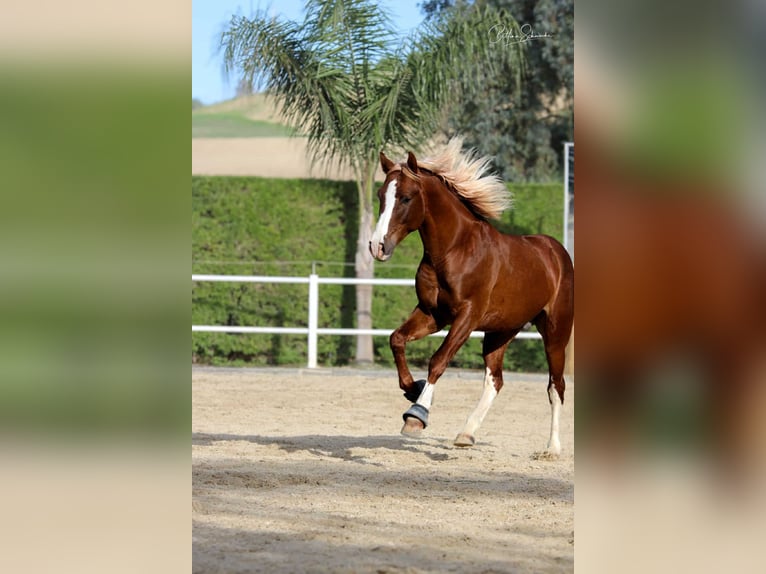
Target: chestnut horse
(471,277)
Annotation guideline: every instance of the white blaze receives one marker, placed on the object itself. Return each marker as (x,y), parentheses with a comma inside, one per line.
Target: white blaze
(381,229)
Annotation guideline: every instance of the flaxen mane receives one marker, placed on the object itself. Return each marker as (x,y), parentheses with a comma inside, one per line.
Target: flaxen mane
(467,174)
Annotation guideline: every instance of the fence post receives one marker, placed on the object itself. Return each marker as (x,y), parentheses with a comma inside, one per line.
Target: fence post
(565,233)
(313,319)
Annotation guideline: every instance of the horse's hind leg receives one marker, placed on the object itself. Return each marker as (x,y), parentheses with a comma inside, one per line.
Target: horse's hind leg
(555,338)
(494,350)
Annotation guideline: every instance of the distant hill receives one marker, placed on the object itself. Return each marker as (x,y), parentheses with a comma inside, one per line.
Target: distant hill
(250,116)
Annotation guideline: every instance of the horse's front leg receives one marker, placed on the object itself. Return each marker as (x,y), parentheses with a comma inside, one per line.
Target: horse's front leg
(416,418)
(418,325)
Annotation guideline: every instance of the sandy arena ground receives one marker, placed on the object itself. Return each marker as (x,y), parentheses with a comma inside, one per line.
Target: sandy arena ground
(301,471)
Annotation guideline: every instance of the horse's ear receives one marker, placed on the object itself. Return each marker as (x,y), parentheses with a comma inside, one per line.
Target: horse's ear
(385,163)
(412,163)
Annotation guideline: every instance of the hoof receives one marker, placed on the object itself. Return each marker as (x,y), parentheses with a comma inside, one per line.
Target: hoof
(415,420)
(414,393)
(412,427)
(545,455)
(418,412)
(464,440)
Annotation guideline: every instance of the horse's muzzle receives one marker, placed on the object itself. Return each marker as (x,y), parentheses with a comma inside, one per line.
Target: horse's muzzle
(379,251)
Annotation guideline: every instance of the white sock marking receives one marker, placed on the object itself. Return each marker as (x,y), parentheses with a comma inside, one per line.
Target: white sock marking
(381,229)
(427,396)
(474,421)
(554,445)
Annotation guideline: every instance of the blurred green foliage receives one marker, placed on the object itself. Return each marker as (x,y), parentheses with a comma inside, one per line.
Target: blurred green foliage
(93,244)
(248,225)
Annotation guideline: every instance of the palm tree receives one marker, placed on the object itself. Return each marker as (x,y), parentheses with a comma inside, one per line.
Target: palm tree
(347,81)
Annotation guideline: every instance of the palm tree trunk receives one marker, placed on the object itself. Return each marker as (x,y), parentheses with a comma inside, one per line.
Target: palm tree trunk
(364,266)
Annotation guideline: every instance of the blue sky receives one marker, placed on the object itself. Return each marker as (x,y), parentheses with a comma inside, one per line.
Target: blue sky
(210,16)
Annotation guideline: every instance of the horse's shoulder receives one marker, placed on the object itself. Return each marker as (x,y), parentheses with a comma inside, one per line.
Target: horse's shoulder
(427,284)
(426,275)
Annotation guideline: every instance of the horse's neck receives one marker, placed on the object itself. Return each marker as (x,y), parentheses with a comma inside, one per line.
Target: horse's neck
(446,221)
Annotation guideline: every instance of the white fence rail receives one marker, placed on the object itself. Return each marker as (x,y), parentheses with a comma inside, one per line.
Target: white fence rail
(313,330)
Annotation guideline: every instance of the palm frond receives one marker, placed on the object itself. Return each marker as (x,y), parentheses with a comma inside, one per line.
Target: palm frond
(349,84)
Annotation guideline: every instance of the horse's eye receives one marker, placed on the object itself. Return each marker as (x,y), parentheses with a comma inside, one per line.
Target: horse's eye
(405,200)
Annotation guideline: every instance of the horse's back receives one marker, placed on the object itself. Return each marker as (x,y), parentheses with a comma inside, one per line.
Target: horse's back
(547,246)
(540,255)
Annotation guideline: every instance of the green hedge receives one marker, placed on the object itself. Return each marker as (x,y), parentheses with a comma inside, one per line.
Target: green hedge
(248,225)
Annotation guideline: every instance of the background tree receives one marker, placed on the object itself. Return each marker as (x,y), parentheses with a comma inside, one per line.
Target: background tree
(347,81)
(523,126)
(244,88)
